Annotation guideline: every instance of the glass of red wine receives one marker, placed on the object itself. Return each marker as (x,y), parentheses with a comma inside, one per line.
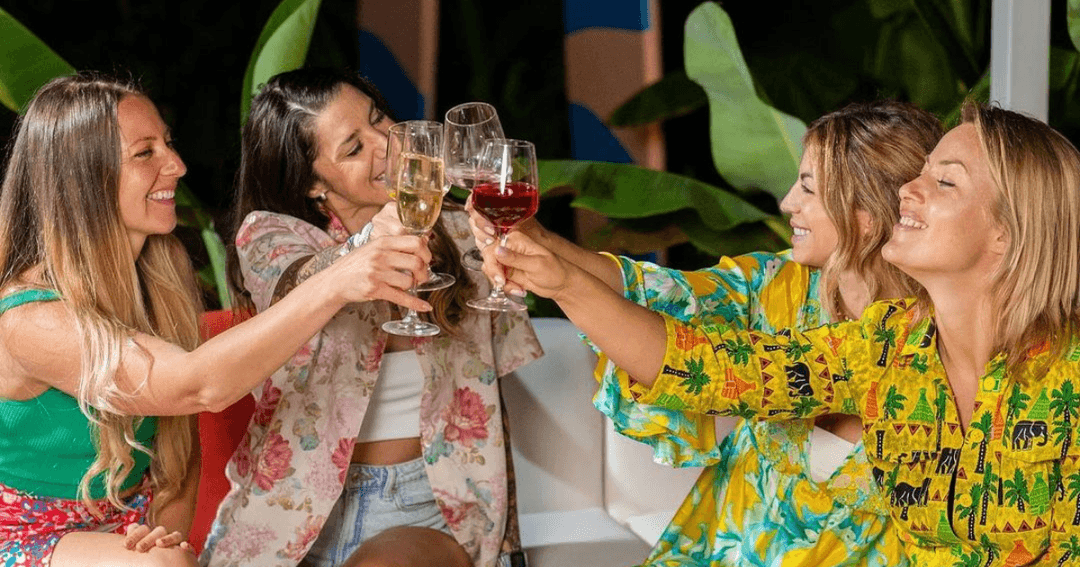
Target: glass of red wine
(507,198)
(468,127)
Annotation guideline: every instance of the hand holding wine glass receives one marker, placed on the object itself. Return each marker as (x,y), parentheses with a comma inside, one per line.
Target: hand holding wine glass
(508,199)
(406,141)
(419,186)
(468,127)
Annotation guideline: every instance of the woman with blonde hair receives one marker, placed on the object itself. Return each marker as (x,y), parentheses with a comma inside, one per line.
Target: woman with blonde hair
(843,205)
(99,327)
(968,393)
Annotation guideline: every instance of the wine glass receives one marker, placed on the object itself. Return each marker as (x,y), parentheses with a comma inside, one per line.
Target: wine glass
(509,198)
(423,137)
(468,126)
(419,185)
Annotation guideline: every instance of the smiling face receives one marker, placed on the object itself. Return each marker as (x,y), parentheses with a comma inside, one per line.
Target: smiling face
(149,171)
(350,135)
(946,230)
(815,236)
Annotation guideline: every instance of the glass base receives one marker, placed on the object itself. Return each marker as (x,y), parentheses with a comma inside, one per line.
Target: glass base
(408,328)
(496,303)
(473,260)
(436,281)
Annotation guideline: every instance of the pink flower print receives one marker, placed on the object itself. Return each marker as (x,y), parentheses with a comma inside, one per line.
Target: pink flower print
(455,514)
(305,535)
(466,418)
(242,458)
(273,463)
(268,402)
(342,455)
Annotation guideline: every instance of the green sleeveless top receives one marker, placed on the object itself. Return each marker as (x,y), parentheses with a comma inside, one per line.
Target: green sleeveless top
(45,442)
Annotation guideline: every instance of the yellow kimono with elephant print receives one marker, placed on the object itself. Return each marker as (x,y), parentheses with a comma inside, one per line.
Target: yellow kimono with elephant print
(1004,492)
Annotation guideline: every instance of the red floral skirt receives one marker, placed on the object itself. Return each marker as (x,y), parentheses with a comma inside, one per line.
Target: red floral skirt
(31,525)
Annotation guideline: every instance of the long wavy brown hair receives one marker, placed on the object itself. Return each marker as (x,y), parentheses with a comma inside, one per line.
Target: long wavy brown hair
(278,150)
(60,217)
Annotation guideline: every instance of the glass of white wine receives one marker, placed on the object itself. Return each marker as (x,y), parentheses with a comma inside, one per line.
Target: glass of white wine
(409,138)
(419,185)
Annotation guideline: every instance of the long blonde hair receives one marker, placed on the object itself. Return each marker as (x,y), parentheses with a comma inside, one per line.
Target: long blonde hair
(1036,173)
(60,216)
(865,152)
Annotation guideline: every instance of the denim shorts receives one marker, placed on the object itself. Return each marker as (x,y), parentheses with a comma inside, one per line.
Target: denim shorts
(375,499)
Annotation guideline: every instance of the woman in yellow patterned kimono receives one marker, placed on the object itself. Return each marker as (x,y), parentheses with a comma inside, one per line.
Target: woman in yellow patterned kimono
(842,206)
(969,395)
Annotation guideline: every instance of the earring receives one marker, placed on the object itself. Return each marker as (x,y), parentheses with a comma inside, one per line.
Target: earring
(321,197)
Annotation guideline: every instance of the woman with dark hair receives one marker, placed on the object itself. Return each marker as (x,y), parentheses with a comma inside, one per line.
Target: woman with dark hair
(99,327)
(365,448)
(969,392)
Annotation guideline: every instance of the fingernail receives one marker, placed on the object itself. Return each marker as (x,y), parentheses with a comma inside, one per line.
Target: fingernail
(500,250)
(488,241)
(518,292)
(499,280)
(489,230)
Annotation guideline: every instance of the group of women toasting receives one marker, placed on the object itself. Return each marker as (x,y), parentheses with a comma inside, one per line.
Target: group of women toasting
(925,318)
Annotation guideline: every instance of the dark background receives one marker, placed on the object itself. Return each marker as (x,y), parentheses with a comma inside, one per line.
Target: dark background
(808,58)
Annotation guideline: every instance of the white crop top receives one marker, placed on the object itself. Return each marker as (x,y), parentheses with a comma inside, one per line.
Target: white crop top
(394,409)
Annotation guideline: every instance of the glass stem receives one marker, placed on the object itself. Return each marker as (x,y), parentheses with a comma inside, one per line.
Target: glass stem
(497,289)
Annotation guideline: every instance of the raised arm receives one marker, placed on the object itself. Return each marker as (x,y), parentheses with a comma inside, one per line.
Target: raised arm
(712,369)
(156,377)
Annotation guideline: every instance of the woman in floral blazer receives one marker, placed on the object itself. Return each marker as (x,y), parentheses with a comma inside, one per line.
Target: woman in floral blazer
(327,133)
(968,396)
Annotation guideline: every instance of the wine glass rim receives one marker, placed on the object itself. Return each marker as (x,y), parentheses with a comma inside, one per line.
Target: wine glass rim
(489,113)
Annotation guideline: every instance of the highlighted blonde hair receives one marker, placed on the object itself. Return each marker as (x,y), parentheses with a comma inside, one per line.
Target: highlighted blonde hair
(865,152)
(1036,173)
(60,218)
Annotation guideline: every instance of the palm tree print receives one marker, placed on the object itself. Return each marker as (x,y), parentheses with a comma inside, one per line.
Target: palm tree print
(1066,405)
(1070,548)
(796,350)
(804,406)
(1016,490)
(971,512)
(696,379)
(1017,401)
(894,402)
(887,338)
(984,424)
(989,480)
(1073,487)
(739,351)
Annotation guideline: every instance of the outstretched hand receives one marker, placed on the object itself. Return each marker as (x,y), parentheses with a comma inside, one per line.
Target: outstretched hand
(533,267)
(385,268)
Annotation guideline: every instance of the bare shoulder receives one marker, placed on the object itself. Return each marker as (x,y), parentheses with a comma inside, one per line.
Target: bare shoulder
(39,347)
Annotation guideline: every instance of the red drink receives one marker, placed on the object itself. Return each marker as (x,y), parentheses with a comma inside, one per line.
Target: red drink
(506,208)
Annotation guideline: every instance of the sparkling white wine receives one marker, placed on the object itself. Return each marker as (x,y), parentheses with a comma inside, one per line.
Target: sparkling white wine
(419,191)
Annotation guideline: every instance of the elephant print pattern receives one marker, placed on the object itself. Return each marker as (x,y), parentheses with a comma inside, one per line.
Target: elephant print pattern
(1004,492)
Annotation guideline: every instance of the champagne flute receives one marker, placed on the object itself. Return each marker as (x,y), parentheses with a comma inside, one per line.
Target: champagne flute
(468,126)
(416,137)
(508,199)
(419,184)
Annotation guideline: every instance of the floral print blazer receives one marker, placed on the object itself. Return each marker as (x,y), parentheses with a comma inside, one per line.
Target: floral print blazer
(290,466)
(1004,492)
(755,502)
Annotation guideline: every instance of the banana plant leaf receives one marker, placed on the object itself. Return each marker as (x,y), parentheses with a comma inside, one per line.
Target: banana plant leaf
(623,191)
(27,63)
(672,96)
(282,46)
(1072,15)
(754,146)
(192,213)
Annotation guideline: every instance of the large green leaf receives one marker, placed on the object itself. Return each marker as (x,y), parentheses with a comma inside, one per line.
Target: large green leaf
(943,21)
(620,190)
(672,96)
(192,213)
(282,46)
(754,146)
(27,63)
(1072,14)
